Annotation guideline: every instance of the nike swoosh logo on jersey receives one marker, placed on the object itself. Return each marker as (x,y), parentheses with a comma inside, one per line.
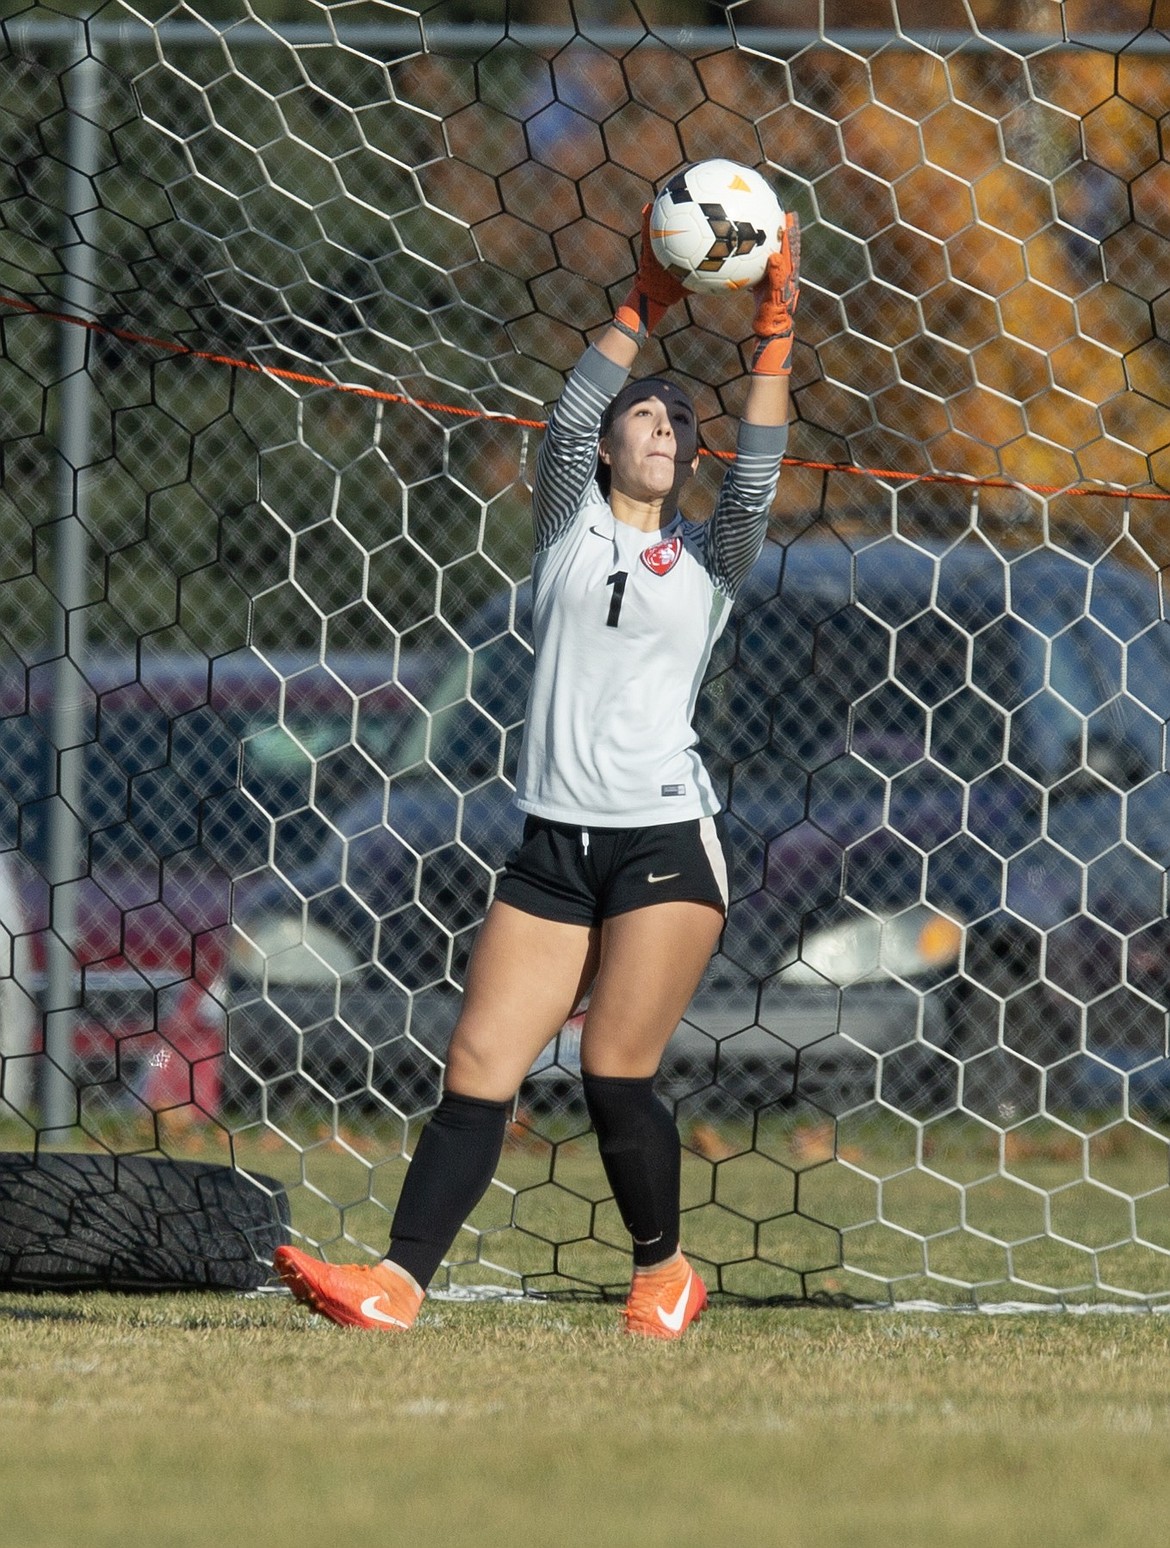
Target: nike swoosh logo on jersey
(673,1320)
(669,876)
(371,1309)
(606,535)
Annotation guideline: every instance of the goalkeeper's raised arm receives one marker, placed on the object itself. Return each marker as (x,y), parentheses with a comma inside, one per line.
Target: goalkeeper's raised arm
(598,390)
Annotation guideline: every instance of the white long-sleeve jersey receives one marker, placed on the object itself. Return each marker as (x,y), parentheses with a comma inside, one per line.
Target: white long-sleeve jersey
(624,622)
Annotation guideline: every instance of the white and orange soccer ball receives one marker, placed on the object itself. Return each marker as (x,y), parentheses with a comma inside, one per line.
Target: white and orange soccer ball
(715,224)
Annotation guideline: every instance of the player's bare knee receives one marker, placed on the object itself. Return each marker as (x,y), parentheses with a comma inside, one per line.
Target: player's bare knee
(475,1069)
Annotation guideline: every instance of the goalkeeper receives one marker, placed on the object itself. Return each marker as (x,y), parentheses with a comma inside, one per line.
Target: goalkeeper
(618,889)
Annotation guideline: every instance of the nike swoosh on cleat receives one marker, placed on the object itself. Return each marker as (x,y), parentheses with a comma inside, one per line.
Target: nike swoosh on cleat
(371,1309)
(669,876)
(672,1321)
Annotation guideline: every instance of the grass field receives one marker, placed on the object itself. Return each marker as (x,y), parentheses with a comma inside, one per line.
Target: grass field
(874,1208)
(196,1419)
(183,1420)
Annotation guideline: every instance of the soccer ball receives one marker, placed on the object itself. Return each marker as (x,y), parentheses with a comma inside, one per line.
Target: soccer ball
(715,225)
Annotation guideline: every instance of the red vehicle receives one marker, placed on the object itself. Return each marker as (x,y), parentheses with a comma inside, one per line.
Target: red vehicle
(193,771)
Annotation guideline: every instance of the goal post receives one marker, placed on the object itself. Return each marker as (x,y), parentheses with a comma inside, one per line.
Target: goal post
(282,306)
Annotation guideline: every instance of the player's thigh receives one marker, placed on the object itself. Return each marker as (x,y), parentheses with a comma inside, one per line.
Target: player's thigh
(651,962)
(524,980)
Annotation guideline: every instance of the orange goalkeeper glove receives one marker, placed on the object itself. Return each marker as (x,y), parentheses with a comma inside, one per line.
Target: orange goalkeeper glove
(776,297)
(654,291)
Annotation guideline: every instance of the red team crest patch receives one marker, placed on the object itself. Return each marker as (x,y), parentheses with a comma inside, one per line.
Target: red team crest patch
(661,557)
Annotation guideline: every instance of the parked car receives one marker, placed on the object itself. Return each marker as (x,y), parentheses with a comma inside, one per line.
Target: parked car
(189,767)
(950,821)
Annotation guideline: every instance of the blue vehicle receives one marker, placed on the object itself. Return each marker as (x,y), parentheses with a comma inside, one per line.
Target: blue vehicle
(950,823)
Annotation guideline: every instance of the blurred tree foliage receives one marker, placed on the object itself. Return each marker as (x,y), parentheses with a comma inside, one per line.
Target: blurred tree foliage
(985,238)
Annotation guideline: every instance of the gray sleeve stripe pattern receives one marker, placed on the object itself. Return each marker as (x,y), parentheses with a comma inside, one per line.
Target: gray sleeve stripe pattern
(736,531)
(567,460)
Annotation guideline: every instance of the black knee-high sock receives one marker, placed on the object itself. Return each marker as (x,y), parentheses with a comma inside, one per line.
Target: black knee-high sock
(452,1165)
(642,1156)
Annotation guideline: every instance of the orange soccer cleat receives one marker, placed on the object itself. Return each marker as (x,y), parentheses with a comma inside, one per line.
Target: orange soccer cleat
(356,1295)
(664,1301)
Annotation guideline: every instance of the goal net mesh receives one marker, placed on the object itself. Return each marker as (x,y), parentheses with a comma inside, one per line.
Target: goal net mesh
(285,292)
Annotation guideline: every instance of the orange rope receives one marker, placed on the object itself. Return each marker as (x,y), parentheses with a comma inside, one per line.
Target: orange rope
(304,378)
(307,379)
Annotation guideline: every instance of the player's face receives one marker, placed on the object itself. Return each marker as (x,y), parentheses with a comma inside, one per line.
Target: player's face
(642,449)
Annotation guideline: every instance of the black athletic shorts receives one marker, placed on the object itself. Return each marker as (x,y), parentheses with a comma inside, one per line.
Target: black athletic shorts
(584,875)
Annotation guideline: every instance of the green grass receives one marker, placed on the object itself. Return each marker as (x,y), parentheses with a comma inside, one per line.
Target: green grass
(185,1420)
(193,1420)
(877,1208)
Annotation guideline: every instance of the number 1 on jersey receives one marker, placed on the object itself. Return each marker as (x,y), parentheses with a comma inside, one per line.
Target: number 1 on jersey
(618,581)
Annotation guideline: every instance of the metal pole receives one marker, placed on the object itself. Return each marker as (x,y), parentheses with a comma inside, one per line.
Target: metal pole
(66,858)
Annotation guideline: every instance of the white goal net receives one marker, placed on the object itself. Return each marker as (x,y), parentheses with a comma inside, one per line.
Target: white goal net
(285,291)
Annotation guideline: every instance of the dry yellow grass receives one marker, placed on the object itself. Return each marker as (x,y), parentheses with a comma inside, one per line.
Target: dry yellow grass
(190,1420)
